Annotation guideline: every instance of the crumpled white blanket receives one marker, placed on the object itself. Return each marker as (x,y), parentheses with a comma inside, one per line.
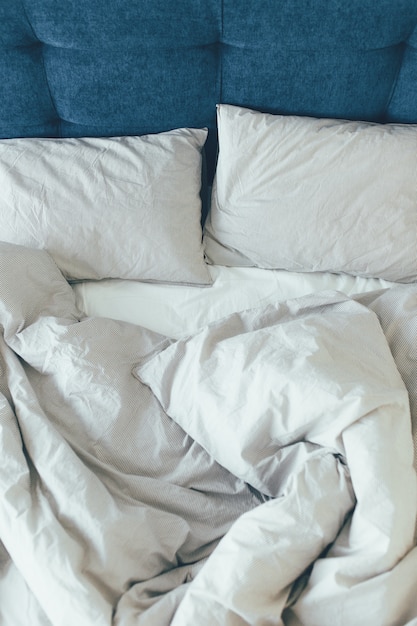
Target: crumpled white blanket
(267,478)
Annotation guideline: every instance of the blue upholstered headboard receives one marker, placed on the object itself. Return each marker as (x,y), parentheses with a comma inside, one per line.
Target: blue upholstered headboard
(114,67)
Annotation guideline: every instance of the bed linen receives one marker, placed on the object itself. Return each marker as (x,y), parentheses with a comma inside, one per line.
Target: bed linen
(345,189)
(78,198)
(94,528)
(175,311)
(102,532)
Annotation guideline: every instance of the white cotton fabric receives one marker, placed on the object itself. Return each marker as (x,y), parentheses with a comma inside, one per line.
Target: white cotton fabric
(99,489)
(397,313)
(111,514)
(118,207)
(323,386)
(179,310)
(312,195)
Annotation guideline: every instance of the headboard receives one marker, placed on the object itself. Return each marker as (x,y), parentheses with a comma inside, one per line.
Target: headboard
(102,68)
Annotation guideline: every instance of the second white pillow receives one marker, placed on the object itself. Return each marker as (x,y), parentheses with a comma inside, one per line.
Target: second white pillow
(314,195)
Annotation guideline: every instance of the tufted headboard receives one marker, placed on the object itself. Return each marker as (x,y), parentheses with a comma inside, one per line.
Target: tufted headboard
(125,67)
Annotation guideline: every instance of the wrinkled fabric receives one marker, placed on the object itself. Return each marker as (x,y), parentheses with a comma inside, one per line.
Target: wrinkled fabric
(269,392)
(79,198)
(345,189)
(111,513)
(99,488)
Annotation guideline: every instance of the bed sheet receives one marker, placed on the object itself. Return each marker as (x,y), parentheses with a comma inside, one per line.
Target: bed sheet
(100,532)
(177,310)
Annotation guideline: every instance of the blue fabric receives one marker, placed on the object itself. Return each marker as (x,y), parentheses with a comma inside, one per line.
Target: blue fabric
(111,67)
(403,104)
(320,58)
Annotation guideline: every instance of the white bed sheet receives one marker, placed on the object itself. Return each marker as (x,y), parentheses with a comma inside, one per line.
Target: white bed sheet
(177,310)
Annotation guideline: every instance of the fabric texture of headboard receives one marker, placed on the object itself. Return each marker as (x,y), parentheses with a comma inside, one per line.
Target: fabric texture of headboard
(102,68)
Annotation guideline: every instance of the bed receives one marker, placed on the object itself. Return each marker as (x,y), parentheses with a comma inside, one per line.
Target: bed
(208,297)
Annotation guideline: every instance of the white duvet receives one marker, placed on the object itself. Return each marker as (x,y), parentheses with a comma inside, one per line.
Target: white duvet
(259,471)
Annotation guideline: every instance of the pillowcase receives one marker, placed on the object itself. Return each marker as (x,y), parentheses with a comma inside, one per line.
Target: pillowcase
(119,207)
(314,195)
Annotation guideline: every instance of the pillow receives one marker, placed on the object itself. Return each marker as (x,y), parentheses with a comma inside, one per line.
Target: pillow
(119,207)
(314,195)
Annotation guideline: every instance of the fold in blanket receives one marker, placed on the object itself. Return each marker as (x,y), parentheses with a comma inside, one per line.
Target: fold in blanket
(258,472)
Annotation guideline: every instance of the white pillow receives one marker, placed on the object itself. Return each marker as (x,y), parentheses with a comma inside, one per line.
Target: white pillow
(311,195)
(120,207)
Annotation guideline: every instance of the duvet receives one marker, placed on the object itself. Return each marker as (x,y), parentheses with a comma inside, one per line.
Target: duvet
(257,472)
